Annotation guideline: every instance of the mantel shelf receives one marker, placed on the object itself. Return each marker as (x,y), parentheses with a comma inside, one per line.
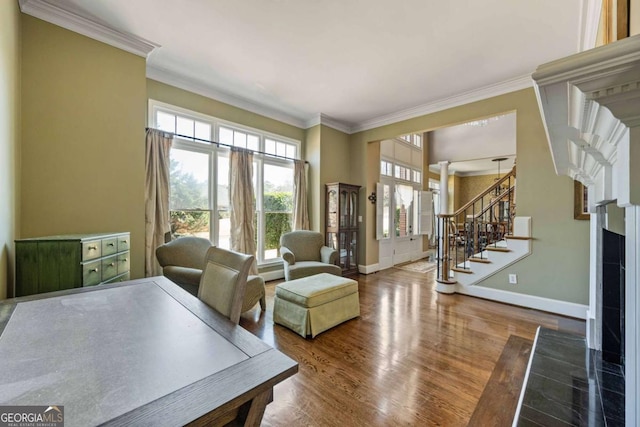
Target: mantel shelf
(589,103)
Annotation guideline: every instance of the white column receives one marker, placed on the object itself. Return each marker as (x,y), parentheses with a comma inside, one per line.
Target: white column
(444,187)
(445,285)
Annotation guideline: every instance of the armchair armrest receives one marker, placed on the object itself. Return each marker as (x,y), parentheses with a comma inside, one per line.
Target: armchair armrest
(287,255)
(328,255)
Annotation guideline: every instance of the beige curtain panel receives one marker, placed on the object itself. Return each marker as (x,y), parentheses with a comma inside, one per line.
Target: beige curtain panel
(157,146)
(300,208)
(243,233)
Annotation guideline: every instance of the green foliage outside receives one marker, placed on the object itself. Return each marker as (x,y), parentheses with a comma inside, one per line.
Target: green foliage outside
(187,193)
(278,206)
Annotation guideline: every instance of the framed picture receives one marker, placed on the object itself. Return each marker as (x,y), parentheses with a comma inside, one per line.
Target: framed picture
(580,201)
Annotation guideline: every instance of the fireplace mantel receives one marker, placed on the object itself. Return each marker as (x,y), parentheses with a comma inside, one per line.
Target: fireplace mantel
(590,104)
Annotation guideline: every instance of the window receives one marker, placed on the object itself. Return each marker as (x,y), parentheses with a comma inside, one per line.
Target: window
(404,214)
(413,139)
(189,200)
(417,176)
(199,178)
(402,172)
(417,140)
(238,138)
(386,168)
(280,148)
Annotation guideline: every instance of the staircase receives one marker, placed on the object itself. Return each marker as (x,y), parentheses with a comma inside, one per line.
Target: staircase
(482,237)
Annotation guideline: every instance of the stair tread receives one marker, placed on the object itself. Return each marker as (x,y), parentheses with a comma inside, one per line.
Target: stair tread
(509,236)
(462,270)
(497,249)
(482,260)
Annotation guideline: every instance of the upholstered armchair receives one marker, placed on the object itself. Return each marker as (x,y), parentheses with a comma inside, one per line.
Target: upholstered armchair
(182,260)
(304,254)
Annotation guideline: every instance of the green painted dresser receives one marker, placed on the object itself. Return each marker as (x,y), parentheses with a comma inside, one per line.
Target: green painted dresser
(53,263)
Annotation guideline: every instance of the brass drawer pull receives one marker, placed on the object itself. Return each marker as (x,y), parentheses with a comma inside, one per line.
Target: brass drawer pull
(92,248)
(93,270)
(111,244)
(113,264)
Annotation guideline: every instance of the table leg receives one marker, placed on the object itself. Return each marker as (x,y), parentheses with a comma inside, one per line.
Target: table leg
(256,410)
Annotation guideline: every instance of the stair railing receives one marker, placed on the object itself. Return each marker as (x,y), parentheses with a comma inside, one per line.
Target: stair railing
(463,236)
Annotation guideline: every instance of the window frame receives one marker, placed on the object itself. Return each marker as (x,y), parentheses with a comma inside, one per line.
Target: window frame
(217,151)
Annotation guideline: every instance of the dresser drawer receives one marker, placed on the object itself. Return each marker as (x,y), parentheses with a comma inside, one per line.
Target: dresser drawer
(123,243)
(123,262)
(109,267)
(109,246)
(91,250)
(91,274)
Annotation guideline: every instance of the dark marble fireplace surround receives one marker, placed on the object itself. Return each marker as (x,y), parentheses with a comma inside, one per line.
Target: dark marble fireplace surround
(569,384)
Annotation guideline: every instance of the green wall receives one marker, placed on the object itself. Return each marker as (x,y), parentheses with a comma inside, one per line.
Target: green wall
(558,267)
(313,151)
(83,116)
(9,137)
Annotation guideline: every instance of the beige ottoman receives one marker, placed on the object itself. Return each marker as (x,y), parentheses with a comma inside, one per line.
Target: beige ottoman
(313,304)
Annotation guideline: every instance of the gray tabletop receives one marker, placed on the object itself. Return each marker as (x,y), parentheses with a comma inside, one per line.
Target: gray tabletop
(112,350)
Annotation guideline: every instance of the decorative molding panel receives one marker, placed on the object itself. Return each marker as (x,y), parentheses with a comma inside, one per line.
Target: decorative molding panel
(501,88)
(190,85)
(589,101)
(323,119)
(73,21)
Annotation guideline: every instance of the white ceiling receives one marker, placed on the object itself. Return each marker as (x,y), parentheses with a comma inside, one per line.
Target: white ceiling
(471,147)
(355,62)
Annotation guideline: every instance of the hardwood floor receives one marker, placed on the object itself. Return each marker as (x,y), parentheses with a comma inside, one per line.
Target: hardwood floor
(413,357)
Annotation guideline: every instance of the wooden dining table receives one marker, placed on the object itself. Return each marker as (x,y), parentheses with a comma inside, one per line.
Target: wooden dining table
(141,352)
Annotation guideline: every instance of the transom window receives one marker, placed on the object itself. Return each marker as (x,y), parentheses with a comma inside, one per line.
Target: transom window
(414,139)
(199,177)
(386,168)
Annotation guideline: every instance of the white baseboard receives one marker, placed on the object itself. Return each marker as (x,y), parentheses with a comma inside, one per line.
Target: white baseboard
(564,308)
(368,269)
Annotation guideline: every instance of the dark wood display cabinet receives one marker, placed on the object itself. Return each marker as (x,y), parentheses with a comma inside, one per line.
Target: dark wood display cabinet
(342,224)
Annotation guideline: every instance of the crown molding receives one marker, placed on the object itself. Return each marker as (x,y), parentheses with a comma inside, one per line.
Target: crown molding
(323,119)
(176,80)
(74,21)
(479,94)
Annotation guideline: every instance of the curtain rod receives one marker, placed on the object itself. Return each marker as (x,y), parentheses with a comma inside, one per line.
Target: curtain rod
(218,144)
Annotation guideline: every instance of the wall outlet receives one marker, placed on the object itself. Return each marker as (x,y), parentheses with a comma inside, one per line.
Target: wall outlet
(513,279)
